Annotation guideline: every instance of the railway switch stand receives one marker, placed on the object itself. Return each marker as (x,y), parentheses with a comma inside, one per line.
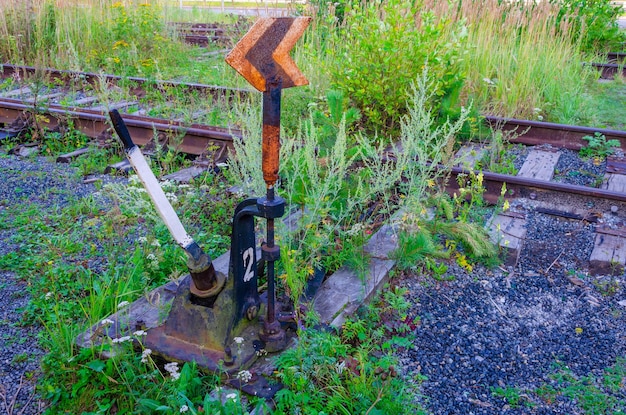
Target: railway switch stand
(220,321)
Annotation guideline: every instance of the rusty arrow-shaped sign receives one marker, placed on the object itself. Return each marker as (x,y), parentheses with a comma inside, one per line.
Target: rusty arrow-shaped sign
(262,55)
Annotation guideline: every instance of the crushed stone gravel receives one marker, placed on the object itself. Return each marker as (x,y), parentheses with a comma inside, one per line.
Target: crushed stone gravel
(481,330)
(49,186)
(515,327)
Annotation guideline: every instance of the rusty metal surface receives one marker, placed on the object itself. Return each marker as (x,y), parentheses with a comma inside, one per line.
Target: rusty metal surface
(526,187)
(138,90)
(192,139)
(609,70)
(263,53)
(560,135)
(616,57)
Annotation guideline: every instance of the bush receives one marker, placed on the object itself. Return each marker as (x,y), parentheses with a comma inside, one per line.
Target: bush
(595,23)
(381,47)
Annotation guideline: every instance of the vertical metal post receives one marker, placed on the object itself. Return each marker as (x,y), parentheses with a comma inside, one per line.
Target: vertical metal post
(271,206)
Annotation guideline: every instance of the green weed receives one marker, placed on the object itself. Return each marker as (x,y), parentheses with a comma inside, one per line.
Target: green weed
(598,147)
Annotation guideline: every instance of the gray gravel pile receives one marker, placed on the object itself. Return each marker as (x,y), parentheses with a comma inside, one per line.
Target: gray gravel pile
(517,327)
(571,169)
(49,186)
(514,327)
(19,354)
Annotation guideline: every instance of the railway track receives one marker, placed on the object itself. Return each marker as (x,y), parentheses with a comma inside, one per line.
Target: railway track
(32,98)
(534,182)
(205,34)
(539,187)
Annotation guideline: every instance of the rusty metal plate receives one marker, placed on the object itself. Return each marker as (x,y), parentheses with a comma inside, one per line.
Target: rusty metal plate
(263,53)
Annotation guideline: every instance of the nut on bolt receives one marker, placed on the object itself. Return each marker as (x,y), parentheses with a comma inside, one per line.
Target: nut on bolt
(252,312)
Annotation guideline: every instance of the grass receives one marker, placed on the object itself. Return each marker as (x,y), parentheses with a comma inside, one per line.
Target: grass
(83,260)
(592,394)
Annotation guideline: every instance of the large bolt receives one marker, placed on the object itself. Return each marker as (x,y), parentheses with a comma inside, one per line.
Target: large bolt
(252,312)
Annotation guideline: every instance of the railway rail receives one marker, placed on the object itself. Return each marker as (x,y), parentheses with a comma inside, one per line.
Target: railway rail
(17,104)
(64,97)
(534,188)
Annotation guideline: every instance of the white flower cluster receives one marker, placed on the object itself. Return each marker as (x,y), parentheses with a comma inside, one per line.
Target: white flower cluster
(172,369)
(121,339)
(145,355)
(245,376)
(171,197)
(154,260)
(184,408)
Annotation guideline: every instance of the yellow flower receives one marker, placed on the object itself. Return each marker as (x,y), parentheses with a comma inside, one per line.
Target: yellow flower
(578,330)
(116,60)
(117,5)
(120,43)
(505,206)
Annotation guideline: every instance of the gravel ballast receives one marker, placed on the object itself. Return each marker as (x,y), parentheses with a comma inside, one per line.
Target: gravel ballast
(516,327)
(481,330)
(26,181)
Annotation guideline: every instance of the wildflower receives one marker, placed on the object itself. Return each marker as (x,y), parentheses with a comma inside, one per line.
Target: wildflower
(49,295)
(145,355)
(142,239)
(244,376)
(123,304)
(232,396)
(156,243)
(106,321)
(238,340)
(506,206)
(339,367)
(120,43)
(121,339)
(172,369)
(151,257)
(184,408)
(139,333)
(171,197)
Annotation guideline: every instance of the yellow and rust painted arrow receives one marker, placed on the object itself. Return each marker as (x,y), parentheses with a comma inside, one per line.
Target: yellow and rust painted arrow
(262,55)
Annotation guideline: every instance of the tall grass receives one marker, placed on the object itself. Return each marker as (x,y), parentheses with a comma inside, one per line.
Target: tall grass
(522,63)
(514,59)
(129,37)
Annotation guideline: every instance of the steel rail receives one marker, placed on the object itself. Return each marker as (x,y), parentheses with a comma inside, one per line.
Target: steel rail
(195,139)
(561,135)
(609,70)
(93,79)
(525,187)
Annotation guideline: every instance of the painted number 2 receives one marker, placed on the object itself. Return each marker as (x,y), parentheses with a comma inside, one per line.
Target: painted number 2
(248,256)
